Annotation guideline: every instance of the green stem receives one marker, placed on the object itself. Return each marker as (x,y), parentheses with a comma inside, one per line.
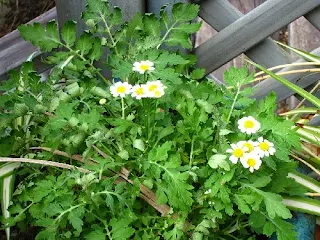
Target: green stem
(191,153)
(166,35)
(122,107)
(233,104)
(68,210)
(109,33)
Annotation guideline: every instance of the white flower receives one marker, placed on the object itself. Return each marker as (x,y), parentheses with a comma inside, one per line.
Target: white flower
(251,161)
(143,66)
(155,89)
(207,192)
(139,91)
(237,152)
(102,101)
(250,145)
(248,125)
(265,148)
(120,89)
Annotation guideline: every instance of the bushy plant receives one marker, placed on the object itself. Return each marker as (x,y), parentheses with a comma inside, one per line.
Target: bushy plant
(157,151)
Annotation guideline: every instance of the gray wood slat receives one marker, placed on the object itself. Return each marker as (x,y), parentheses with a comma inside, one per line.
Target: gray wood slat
(129,7)
(154,6)
(14,50)
(301,79)
(220,13)
(71,10)
(250,30)
(314,17)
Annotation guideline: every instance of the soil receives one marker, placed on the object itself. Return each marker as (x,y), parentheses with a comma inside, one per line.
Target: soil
(22,11)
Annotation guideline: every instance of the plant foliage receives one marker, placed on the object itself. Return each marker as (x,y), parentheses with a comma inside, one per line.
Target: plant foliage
(174,147)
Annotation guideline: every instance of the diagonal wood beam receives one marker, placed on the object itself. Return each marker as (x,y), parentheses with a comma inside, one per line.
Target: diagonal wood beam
(314,17)
(248,31)
(219,14)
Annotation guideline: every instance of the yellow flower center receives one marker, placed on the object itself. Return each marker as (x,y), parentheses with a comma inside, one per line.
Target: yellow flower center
(249,146)
(248,124)
(139,91)
(152,87)
(157,94)
(238,152)
(144,67)
(264,146)
(251,162)
(121,89)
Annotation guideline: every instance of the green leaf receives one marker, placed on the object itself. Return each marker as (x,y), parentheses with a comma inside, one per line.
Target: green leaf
(274,205)
(185,12)
(188,27)
(242,204)
(179,38)
(198,73)
(96,51)
(84,44)
(68,33)
(303,93)
(116,16)
(303,204)
(160,153)
(151,25)
(219,161)
(139,144)
(167,58)
(121,229)
(168,74)
(6,190)
(47,39)
(96,235)
(305,55)
(75,218)
(262,181)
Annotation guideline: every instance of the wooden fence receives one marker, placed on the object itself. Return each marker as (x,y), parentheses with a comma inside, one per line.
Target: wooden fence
(237,33)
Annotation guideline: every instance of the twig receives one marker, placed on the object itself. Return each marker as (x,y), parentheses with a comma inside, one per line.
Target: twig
(309,70)
(313,194)
(146,194)
(287,65)
(44,162)
(306,163)
(312,91)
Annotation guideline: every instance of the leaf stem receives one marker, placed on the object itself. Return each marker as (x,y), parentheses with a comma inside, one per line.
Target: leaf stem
(122,107)
(109,33)
(68,210)
(191,153)
(233,104)
(166,34)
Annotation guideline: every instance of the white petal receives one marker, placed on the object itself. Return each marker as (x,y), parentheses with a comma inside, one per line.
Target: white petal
(251,169)
(260,139)
(229,151)
(233,159)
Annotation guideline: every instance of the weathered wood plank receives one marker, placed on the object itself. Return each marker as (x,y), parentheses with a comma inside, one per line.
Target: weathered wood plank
(314,17)
(71,10)
(301,79)
(129,8)
(220,13)
(14,50)
(248,31)
(154,6)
